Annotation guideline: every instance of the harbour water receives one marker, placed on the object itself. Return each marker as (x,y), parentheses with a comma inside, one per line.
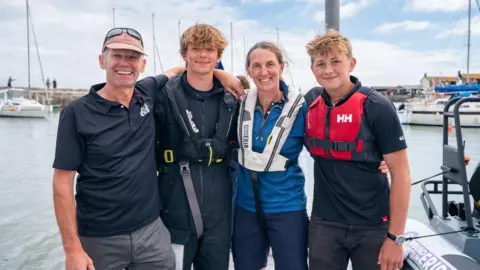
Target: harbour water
(29,237)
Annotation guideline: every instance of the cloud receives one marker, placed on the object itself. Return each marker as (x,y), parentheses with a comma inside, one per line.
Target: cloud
(70,34)
(352,8)
(347,10)
(460,28)
(405,25)
(384,63)
(278,1)
(435,5)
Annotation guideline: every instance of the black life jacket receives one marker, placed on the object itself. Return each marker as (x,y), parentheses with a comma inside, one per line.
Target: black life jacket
(194,148)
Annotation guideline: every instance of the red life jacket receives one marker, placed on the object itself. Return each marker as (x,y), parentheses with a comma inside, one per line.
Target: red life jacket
(341,132)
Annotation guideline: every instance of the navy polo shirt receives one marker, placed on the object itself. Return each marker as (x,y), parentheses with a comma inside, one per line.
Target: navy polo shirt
(112,148)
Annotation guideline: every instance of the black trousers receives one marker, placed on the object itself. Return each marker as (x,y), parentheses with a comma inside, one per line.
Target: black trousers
(333,244)
(211,251)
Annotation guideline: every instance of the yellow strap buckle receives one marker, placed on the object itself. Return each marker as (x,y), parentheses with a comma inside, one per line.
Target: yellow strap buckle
(168,156)
(211,155)
(269,138)
(218,160)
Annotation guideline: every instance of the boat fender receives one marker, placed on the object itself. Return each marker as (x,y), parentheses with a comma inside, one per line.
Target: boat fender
(467,160)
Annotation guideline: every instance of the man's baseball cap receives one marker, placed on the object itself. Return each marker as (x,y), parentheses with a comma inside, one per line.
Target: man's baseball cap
(124,38)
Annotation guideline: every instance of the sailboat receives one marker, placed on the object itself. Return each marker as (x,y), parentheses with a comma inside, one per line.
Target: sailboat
(428,111)
(16,102)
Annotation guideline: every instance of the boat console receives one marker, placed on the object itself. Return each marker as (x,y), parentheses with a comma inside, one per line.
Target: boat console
(458,222)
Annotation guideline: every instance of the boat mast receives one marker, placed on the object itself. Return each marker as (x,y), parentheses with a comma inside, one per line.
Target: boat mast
(113,11)
(278,38)
(38,55)
(28,45)
(244,56)
(231,37)
(180,40)
(468,42)
(332,14)
(154,46)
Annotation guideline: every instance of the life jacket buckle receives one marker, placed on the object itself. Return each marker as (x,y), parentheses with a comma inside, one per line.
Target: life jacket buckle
(342,146)
(168,156)
(184,167)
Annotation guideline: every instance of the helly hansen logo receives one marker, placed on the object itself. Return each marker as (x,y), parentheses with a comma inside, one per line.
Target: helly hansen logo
(344,118)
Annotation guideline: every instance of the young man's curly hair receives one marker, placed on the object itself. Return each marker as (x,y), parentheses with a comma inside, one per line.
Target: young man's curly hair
(203,35)
(332,40)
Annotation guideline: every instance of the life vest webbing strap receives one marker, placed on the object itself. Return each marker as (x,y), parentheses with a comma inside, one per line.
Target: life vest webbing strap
(169,157)
(191,197)
(262,222)
(332,145)
(291,163)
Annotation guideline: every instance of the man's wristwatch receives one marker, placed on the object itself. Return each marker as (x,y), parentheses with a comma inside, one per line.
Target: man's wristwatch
(399,240)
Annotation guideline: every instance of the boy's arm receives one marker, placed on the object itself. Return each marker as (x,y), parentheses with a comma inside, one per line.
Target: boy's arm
(231,83)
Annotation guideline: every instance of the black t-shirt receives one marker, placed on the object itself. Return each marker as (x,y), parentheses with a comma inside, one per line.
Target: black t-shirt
(355,192)
(112,148)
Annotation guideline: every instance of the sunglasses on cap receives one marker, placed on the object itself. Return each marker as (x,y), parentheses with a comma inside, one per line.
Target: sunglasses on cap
(118,31)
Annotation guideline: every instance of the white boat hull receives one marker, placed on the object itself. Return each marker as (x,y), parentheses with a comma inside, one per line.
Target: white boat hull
(14,103)
(24,114)
(436,119)
(431,252)
(427,114)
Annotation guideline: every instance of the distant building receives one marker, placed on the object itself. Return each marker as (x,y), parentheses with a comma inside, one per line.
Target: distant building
(473,78)
(384,89)
(387,90)
(409,89)
(443,81)
(432,81)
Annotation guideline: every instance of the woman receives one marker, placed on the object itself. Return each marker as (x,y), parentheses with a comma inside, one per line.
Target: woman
(270,203)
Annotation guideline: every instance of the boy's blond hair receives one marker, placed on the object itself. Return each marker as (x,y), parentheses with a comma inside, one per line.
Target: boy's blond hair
(203,35)
(332,40)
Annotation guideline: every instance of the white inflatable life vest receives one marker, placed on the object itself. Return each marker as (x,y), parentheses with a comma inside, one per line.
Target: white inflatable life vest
(270,159)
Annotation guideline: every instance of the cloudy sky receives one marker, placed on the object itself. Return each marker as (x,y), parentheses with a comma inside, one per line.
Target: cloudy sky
(394,41)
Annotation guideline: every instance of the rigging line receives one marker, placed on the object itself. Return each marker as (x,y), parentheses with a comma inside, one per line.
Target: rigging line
(431,235)
(289,63)
(36,45)
(238,53)
(453,30)
(425,179)
(159,59)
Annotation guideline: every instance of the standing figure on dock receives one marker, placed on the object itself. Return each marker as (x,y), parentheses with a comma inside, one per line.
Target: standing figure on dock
(9,83)
(48,83)
(195,119)
(350,130)
(54,84)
